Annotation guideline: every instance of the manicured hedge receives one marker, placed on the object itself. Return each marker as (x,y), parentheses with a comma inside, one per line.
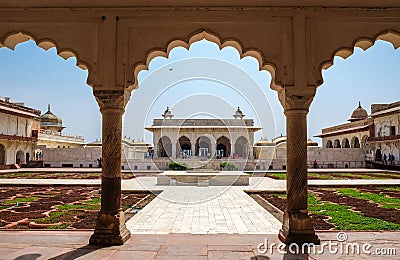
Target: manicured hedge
(177,166)
(228,166)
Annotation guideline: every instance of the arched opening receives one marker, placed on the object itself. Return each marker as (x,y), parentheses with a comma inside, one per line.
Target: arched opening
(49,69)
(336,144)
(355,143)
(205,35)
(185,147)
(13,39)
(164,147)
(20,157)
(378,155)
(2,154)
(329,144)
(364,141)
(241,147)
(203,147)
(223,147)
(345,143)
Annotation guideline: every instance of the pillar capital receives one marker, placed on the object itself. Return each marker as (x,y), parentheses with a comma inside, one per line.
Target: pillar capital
(112,98)
(295,98)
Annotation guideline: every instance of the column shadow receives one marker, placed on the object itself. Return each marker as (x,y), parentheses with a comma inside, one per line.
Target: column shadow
(78,252)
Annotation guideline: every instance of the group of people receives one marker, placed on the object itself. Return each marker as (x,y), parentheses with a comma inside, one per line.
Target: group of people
(38,155)
(148,155)
(99,165)
(389,159)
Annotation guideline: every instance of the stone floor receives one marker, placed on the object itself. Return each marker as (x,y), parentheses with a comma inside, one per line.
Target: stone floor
(37,245)
(203,210)
(186,222)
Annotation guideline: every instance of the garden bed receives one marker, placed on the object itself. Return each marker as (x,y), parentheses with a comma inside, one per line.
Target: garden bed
(59,207)
(362,208)
(59,175)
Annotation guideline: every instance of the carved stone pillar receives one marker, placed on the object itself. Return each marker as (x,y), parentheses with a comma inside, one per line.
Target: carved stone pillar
(155,151)
(174,143)
(110,224)
(297,225)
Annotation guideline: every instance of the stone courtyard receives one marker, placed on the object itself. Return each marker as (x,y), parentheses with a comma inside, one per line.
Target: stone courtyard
(182,222)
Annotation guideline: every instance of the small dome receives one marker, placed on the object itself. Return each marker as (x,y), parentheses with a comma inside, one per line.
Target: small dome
(95,143)
(50,120)
(359,113)
(238,114)
(167,114)
(279,139)
(311,143)
(264,142)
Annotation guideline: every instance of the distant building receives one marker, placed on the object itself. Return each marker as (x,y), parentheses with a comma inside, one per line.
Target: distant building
(385,134)
(19,128)
(349,135)
(189,138)
(51,135)
(377,135)
(135,155)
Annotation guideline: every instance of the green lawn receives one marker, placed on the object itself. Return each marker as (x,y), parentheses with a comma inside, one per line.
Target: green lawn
(346,219)
(21,200)
(385,201)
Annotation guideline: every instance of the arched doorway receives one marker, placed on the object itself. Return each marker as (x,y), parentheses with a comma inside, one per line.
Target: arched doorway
(223,147)
(329,144)
(364,141)
(185,147)
(336,144)
(20,157)
(2,154)
(355,143)
(378,155)
(345,143)
(203,147)
(241,147)
(164,147)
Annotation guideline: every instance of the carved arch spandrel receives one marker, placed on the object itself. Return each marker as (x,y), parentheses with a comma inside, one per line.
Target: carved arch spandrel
(364,43)
(198,35)
(338,36)
(10,39)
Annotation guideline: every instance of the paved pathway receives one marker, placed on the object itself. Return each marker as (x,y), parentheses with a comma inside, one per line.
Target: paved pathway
(203,210)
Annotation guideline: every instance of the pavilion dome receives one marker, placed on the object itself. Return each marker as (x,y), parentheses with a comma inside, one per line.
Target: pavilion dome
(50,120)
(279,139)
(264,142)
(167,114)
(238,114)
(358,114)
(311,143)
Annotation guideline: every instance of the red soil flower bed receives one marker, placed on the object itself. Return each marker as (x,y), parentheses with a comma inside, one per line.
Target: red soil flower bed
(79,206)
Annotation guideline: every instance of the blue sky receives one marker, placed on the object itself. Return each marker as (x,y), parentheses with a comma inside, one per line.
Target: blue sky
(201,82)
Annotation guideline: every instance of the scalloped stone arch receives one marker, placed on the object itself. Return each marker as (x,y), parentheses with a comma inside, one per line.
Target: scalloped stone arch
(364,43)
(212,37)
(12,39)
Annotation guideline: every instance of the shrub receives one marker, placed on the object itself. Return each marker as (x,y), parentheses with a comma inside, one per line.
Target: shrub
(175,166)
(228,166)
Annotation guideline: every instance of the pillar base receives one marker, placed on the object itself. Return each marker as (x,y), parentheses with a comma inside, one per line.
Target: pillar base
(110,230)
(297,228)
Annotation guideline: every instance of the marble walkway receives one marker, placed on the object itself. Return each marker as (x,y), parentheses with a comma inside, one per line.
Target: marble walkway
(203,210)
